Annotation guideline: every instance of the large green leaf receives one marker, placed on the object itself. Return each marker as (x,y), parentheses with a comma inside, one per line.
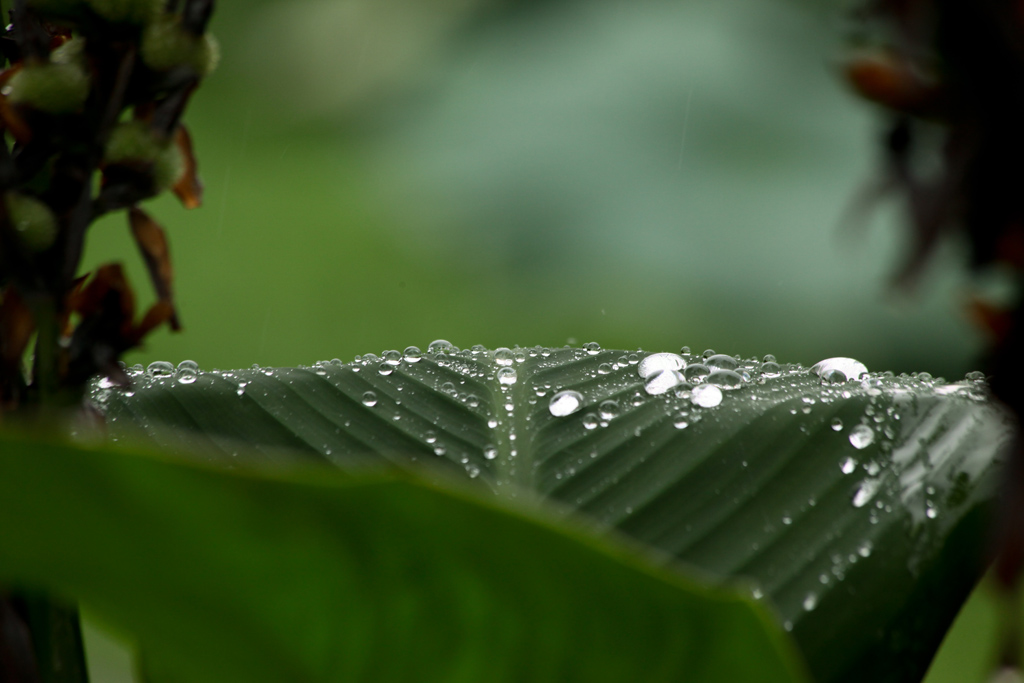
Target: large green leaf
(303,575)
(854,503)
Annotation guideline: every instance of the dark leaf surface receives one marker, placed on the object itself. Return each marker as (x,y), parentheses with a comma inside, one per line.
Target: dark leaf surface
(852,503)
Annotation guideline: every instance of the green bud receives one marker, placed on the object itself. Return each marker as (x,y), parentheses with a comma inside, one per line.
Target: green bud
(133,143)
(165,45)
(33,222)
(127,11)
(53,88)
(71,52)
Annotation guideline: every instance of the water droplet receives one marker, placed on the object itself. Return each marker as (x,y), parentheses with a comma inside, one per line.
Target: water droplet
(727,379)
(770,369)
(660,362)
(440,346)
(769,358)
(810,602)
(392,357)
(190,365)
(503,356)
(633,359)
(519,355)
(440,449)
(681,421)
(865,492)
(721,361)
(975,376)
(472,400)
(478,349)
(696,373)
(565,403)
(604,368)
(386,368)
(507,376)
(448,388)
(848,465)
(662,381)
(707,353)
(850,368)
(241,388)
(430,437)
(473,471)
(865,549)
(930,510)
(590,421)
(837,424)
(861,436)
(186,376)
(369,399)
(492,423)
(608,410)
(412,354)
(490,452)
(706,396)
(160,368)
(592,348)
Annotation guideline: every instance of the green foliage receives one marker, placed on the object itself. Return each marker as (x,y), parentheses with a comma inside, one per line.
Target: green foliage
(865,547)
(300,575)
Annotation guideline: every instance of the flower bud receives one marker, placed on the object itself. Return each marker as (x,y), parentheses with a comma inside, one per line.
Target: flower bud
(55,88)
(133,144)
(33,222)
(165,45)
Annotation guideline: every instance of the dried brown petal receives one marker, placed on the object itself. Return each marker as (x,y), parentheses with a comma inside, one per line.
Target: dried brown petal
(189,189)
(152,242)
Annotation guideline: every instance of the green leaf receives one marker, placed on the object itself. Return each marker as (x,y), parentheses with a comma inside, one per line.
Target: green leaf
(318,575)
(866,553)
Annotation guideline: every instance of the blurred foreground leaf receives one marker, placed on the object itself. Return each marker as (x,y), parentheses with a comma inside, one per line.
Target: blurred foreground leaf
(323,576)
(854,504)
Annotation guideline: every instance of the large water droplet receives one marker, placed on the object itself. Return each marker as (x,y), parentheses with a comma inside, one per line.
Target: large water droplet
(565,403)
(727,379)
(770,369)
(837,424)
(696,373)
(160,368)
(721,361)
(850,368)
(412,354)
(861,436)
(848,465)
(592,348)
(608,410)
(503,356)
(369,399)
(810,602)
(490,452)
(590,421)
(660,362)
(385,368)
(662,381)
(440,346)
(392,357)
(706,396)
(507,376)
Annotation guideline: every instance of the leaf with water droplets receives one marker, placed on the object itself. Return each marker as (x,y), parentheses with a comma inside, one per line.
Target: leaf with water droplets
(748,470)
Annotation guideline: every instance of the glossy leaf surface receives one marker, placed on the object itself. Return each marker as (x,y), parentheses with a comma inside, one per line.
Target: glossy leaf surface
(853,503)
(300,575)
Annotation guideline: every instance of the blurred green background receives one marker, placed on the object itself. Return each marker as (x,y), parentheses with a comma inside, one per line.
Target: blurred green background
(640,173)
